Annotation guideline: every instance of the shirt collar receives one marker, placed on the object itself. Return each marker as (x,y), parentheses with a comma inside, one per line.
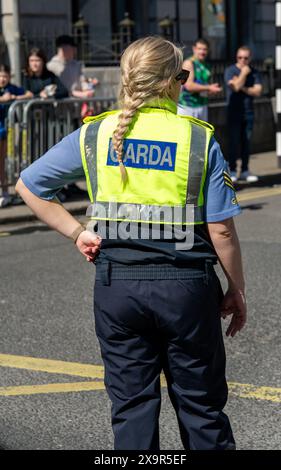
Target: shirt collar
(162,103)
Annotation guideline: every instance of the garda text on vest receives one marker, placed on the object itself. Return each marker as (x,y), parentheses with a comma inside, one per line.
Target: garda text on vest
(152,154)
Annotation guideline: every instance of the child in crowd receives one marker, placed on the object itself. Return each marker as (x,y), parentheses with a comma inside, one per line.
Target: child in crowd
(8,92)
(88,84)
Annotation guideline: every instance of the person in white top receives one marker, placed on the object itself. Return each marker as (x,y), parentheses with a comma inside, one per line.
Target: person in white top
(68,69)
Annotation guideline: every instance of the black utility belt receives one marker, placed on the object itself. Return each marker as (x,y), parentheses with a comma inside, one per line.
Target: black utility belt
(109,271)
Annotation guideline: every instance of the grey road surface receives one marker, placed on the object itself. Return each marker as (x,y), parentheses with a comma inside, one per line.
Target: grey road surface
(46,312)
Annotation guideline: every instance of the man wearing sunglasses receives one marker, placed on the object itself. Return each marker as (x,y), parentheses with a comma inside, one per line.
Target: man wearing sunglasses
(243,83)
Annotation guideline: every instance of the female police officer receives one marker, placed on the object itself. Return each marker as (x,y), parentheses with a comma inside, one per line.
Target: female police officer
(157,305)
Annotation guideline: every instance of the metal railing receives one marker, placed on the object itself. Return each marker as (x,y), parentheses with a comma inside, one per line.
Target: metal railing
(36,125)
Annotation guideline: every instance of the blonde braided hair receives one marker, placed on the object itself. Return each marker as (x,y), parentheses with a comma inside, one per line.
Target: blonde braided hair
(148,70)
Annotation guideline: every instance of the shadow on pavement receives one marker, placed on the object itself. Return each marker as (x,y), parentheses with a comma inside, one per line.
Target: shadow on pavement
(267,181)
(253,207)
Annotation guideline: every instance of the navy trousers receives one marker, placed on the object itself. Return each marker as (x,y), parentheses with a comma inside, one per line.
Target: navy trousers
(146,326)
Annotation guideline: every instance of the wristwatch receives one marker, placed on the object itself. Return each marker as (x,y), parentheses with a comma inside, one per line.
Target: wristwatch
(75,234)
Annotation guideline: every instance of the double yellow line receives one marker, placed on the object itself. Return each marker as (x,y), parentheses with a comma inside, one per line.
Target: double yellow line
(96,372)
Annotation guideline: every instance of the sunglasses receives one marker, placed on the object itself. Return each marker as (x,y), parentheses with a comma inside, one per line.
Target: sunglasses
(183,76)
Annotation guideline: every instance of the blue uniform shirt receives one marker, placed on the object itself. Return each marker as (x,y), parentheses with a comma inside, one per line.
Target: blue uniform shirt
(62,165)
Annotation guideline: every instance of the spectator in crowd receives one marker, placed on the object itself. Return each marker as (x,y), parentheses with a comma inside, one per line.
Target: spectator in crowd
(243,83)
(193,100)
(68,69)
(65,66)
(8,92)
(38,81)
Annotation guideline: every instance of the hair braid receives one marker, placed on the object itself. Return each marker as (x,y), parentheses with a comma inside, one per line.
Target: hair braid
(130,106)
(148,70)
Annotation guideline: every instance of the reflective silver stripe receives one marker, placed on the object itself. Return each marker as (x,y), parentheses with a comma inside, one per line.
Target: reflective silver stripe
(90,144)
(196,163)
(175,215)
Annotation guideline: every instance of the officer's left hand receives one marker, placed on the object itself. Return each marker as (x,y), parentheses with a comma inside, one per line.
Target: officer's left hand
(234,303)
(88,244)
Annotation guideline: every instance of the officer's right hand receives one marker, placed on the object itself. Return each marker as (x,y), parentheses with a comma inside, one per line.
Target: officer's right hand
(234,303)
(88,244)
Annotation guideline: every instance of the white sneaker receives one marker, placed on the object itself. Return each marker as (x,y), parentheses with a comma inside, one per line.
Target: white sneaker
(233,176)
(5,201)
(247,176)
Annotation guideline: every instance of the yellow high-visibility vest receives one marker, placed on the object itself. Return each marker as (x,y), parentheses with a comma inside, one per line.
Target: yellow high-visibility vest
(165,156)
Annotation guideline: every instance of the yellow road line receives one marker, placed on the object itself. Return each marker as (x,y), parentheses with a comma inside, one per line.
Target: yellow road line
(235,389)
(5,234)
(259,194)
(52,366)
(51,388)
(57,388)
(272,394)
(252,391)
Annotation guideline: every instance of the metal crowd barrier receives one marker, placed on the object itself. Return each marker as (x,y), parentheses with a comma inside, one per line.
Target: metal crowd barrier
(34,126)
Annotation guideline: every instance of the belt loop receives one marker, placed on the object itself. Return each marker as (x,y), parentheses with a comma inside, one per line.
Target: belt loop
(105,271)
(208,270)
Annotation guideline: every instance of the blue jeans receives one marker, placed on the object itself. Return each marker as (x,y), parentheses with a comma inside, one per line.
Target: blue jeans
(240,128)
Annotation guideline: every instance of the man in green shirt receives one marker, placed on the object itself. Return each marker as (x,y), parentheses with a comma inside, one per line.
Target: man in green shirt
(193,100)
